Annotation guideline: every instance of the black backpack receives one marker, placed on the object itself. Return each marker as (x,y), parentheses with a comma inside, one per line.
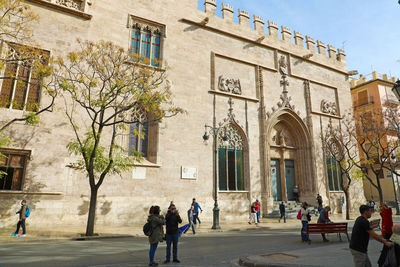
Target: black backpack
(147,229)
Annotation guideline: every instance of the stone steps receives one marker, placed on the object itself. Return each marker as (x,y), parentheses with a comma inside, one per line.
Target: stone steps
(292,208)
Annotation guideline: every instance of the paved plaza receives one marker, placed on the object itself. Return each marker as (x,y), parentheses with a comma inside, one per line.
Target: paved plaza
(258,245)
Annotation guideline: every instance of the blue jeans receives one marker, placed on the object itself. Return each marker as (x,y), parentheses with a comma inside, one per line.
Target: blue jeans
(174,240)
(258,216)
(304,235)
(152,252)
(190,225)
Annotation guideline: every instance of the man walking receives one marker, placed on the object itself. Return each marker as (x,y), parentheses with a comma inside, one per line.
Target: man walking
(258,207)
(253,216)
(172,219)
(190,220)
(22,217)
(196,211)
(282,211)
(360,235)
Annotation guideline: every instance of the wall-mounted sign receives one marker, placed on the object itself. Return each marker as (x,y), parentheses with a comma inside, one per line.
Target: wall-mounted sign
(139,173)
(189,172)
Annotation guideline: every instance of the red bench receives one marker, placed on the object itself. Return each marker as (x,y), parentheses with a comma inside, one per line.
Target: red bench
(326,228)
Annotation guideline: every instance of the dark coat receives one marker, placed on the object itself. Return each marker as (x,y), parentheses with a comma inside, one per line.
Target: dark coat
(172,221)
(157,223)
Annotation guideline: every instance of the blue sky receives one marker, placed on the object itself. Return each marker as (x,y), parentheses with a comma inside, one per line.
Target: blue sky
(368,30)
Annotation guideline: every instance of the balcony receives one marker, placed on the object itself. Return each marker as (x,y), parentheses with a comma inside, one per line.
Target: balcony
(361,102)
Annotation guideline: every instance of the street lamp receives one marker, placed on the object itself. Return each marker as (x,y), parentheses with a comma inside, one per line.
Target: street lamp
(393,157)
(396,89)
(214,131)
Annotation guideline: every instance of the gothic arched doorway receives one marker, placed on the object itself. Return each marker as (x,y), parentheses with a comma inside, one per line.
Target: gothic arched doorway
(289,156)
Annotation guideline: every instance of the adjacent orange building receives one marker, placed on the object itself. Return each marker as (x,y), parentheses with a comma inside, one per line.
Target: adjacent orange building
(370,95)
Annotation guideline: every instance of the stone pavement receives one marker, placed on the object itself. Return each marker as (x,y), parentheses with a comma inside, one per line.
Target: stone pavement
(337,255)
(49,232)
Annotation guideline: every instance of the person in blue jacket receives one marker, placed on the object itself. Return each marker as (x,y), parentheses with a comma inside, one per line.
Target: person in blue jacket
(196,211)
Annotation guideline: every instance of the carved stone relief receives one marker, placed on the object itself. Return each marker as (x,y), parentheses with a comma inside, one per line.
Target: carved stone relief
(328,107)
(229,85)
(74,4)
(283,66)
(281,136)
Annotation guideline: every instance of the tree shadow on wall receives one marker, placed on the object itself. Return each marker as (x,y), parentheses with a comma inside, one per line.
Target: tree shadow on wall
(105,206)
(10,203)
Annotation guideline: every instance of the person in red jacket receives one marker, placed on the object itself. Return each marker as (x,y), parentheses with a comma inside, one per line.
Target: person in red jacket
(387,221)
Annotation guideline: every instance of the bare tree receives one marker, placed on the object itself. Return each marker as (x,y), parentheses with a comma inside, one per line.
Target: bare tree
(339,145)
(105,89)
(376,143)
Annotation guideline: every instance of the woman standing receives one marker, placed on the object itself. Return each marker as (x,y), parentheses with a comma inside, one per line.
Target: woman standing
(157,221)
(387,221)
(305,218)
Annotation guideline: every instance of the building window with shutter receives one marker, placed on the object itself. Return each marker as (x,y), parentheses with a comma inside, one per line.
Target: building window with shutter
(12,167)
(20,86)
(146,41)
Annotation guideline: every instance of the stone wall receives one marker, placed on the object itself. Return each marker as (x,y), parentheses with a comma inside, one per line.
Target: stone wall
(199,48)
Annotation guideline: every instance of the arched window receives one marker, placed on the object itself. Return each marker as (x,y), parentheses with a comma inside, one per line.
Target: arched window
(143,136)
(231,160)
(334,174)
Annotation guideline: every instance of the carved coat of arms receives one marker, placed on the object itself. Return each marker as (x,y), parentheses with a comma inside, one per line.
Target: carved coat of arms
(229,85)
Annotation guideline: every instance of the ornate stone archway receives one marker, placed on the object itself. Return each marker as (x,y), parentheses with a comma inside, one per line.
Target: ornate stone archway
(288,156)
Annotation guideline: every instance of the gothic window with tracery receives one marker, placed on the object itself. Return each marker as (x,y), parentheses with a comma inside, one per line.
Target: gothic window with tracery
(143,135)
(20,87)
(146,41)
(231,160)
(334,174)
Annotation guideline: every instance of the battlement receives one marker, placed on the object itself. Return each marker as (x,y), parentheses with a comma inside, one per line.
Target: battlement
(285,34)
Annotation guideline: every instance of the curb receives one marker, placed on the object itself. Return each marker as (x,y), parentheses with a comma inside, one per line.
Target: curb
(245,261)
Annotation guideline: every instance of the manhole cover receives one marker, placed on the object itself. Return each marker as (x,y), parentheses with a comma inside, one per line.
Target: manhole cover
(280,257)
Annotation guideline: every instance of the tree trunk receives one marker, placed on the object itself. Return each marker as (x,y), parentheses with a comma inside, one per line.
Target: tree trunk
(92,212)
(346,195)
(378,183)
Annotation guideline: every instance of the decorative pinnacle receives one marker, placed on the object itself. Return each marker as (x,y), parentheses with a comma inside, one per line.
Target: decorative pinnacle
(272,24)
(230,102)
(227,7)
(243,13)
(258,19)
(310,39)
(285,29)
(297,34)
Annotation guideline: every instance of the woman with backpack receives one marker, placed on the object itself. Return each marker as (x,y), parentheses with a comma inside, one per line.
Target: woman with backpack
(156,235)
(305,218)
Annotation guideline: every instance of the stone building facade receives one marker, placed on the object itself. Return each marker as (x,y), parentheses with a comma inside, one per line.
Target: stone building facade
(283,89)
